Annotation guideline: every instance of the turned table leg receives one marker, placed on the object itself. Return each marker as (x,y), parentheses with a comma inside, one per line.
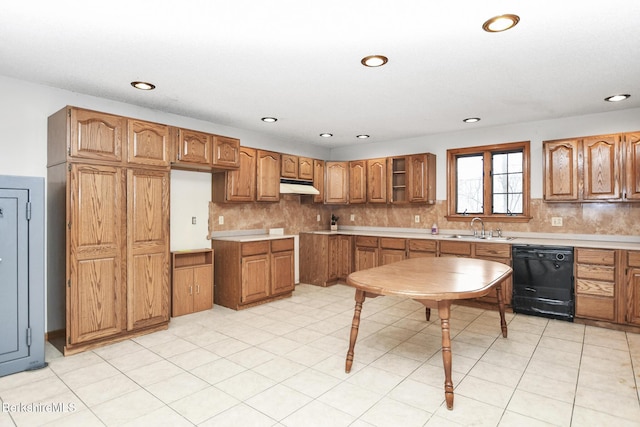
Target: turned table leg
(503,322)
(360,295)
(444,310)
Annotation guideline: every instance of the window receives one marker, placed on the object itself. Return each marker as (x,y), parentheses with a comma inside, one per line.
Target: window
(489,182)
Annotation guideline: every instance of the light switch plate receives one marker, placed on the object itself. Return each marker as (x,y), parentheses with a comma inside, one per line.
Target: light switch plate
(220,220)
(353,217)
(416,219)
(556,221)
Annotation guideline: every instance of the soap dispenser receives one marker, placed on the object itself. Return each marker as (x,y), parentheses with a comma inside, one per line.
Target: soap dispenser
(434,229)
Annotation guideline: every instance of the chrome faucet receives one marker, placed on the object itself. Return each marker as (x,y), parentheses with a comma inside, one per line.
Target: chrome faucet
(475,232)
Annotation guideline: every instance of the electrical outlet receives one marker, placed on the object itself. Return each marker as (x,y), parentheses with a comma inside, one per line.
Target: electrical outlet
(220,220)
(556,221)
(416,219)
(353,217)
(193,220)
(318,218)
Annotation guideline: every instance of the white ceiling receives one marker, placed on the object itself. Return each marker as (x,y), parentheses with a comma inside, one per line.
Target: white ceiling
(232,62)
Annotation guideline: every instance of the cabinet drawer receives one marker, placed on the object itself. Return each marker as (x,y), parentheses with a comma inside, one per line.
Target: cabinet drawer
(280,245)
(422,245)
(595,256)
(367,241)
(499,250)
(633,259)
(595,287)
(455,248)
(391,243)
(596,272)
(255,248)
(595,307)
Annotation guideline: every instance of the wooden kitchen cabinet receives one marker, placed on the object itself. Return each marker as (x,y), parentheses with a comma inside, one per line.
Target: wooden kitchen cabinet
(412,179)
(366,252)
(112,262)
(336,183)
(419,248)
(193,148)
(289,166)
(237,185)
(192,281)
(318,180)
(226,152)
(397,180)
(268,176)
(357,181)
(377,180)
(593,169)
(392,250)
(305,168)
(254,272)
(632,296)
(324,258)
(595,283)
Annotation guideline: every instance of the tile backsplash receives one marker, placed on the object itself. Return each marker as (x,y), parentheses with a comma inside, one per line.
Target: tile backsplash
(296,216)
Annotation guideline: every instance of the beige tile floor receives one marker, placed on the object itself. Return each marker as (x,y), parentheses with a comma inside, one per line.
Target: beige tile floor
(282,364)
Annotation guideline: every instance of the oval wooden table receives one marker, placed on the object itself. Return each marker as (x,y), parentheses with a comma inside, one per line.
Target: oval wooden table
(434,282)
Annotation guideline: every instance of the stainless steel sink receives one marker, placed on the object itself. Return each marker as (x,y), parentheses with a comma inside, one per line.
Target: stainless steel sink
(472,237)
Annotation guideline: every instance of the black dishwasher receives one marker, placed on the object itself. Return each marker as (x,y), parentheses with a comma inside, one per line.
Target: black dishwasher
(543,281)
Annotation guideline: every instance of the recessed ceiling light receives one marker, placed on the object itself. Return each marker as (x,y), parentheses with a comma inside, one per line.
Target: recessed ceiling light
(269,119)
(617,98)
(374,60)
(362,136)
(143,85)
(326,135)
(471,120)
(500,23)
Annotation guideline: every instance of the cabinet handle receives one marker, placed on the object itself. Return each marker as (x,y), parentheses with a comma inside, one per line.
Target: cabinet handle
(190,290)
(197,289)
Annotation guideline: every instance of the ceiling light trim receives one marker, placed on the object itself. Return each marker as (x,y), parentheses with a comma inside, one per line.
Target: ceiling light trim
(362,136)
(618,97)
(269,119)
(138,84)
(471,120)
(373,61)
(500,23)
(326,135)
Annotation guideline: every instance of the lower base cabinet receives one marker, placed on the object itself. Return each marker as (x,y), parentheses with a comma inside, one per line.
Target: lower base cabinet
(251,273)
(324,258)
(192,281)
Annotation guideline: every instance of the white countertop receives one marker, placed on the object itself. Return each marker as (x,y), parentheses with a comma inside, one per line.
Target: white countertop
(559,239)
(253,237)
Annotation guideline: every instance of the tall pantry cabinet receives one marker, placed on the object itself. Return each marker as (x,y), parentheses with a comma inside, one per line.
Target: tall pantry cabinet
(108,189)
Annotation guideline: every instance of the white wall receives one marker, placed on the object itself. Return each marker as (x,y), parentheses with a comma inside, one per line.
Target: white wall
(190,195)
(536,132)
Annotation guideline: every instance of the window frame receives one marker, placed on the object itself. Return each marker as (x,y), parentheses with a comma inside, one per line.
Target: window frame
(487,151)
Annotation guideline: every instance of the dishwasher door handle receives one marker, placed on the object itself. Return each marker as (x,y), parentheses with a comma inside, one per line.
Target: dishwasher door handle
(528,289)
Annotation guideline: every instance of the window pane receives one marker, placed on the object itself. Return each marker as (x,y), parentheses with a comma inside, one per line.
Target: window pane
(515,162)
(500,163)
(469,184)
(515,183)
(500,183)
(500,203)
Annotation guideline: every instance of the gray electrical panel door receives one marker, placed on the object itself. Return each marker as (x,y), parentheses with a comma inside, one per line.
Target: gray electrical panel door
(14,275)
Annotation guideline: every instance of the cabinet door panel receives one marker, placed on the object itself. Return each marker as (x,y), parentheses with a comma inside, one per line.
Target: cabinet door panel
(357,181)
(601,168)
(561,170)
(282,272)
(318,180)
(226,152)
(255,278)
(203,288)
(388,256)
(148,143)
(337,183)
(182,302)
(241,183)
(417,177)
(377,180)
(147,248)
(194,147)
(96,215)
(632,166)
(96,136)
(268,176)
(289,166)
(366,258)
(305,168)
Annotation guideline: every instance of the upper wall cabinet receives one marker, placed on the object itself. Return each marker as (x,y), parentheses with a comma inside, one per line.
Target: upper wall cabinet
(377,180)
(591,169)
(203,151)
(357,181)
(268,176)
(294,167)
(237,185)
(148,143)
(305,168)
(337,183)
(318,180)
(412,179)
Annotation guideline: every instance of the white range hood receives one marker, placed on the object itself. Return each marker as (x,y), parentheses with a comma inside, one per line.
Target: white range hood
(292,186)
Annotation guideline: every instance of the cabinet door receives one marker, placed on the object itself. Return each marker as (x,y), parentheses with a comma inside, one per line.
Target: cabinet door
(344,256)
(268,177)
(255,278)
(357,181)
(632,166)
(182,302)
(366,258)
(388,256)
(96,214)
(377,180)
(226,152)
(601,168)
(561,170)
(148,143)
(334,257)
(305,168)
(337,183)
(194,147)
(318,180)
(202,287)
(147,248)
(241,183)
(282,272)
(96,136)
(289,166)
